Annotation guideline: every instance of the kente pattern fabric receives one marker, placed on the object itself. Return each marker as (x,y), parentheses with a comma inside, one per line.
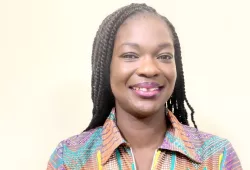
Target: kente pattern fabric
(183,148)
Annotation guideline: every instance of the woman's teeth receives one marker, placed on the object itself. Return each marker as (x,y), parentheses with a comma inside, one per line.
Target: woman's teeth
(145,89)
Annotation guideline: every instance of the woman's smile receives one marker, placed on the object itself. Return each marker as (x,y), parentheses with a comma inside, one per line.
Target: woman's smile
(147,90)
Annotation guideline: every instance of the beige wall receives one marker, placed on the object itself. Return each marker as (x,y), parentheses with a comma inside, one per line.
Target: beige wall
(45,54)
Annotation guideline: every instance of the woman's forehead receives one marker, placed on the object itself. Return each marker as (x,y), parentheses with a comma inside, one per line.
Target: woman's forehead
(143,29)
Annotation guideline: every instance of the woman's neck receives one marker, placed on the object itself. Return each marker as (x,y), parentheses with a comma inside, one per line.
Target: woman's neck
(142,133)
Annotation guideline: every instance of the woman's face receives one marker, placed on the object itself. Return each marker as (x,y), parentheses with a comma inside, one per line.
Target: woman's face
(143,71)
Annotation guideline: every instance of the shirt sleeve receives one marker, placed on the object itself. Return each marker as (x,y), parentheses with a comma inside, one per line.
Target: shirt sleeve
(56,159)
(229,159)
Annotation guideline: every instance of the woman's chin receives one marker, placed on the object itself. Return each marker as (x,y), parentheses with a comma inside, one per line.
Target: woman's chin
(146,111)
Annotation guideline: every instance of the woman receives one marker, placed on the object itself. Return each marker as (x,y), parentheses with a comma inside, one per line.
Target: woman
(138,92)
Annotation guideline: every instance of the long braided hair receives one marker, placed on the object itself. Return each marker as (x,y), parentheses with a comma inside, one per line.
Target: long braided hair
(102,96)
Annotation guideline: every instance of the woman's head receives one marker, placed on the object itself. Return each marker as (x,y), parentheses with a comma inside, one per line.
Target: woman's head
(143,70)
(136,65)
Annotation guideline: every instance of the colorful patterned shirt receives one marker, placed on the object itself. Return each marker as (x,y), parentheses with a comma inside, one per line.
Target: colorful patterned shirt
(184,148)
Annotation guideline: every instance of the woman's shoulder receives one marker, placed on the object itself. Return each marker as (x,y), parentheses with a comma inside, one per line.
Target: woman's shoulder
(207,144)
(198,136)
(82,139)
(75,147)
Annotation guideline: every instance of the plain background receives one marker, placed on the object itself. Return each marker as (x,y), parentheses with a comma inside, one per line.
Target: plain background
(45,71)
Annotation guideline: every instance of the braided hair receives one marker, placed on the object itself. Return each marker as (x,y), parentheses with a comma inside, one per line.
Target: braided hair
(101,94)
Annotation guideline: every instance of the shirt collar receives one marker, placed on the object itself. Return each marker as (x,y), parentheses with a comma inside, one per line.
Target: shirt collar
(111,137)
(176,139)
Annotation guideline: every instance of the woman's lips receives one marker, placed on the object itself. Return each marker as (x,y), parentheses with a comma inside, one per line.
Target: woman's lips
(147,89)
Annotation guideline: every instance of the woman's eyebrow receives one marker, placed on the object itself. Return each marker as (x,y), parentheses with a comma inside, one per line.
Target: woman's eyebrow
(160,46)
(135,45)
(165,45)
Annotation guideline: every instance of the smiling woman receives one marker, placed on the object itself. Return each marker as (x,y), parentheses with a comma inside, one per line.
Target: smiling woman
(143,66)
(139,115)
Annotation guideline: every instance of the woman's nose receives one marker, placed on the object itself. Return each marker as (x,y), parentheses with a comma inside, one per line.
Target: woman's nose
(148,67)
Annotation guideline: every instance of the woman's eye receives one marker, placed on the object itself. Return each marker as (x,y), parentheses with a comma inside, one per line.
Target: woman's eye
(130,56)
(165,57)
